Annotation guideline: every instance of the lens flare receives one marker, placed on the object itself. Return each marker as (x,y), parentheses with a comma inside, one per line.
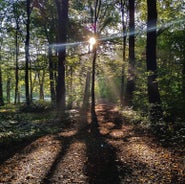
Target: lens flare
(93,41)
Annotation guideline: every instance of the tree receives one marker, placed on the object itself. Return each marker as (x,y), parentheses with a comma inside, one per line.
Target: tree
(131,69)
(27,54)
(153,91)
(95,11)
(16,15)
(122,6)
(1,85)
(102,15)
(46,21)
(2,7)
(62,10)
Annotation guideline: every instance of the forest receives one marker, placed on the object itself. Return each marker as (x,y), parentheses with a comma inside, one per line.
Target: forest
(92,91)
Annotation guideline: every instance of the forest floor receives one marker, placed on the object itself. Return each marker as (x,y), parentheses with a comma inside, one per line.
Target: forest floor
(117,153)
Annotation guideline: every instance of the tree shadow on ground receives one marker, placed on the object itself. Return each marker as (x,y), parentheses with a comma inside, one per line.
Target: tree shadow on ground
(102,163)
(65,144)
(8,149)
(101,166)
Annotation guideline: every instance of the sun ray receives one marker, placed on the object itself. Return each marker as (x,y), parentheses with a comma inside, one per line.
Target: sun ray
(118,35)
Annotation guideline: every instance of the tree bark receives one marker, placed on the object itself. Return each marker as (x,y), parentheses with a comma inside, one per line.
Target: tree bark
(93,113)
(131,70)
(8,90)
(16,64)
(85,105)
(62,9)
(122,91)
(1,87)
(153,91)
(51,77)
(27,54)
(41,76)
(183,76)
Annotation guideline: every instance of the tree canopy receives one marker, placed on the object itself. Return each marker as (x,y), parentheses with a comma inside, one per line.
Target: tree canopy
(33,34)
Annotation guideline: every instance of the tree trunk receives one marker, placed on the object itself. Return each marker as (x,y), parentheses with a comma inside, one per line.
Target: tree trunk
(41,77)
(183,76)
(41,92)
(122,91)
(31,82)
(1,86)
(51,77)
(8,90)
(94,17)
(27,54)
(85,105)
(131,70)
(16,67)
(93,112)
(70,88)
(153,91)
(62,9)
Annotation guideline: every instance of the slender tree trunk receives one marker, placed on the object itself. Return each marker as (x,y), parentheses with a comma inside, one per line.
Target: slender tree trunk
(41,92)
(62,9)
(27,54)
(85,105)
(122,91)
(16,54)
(153,91)
(93,113)
(1,85)
(16,66)
(70,87)
(183,76)
(51,77)
(131,69)
(41,77)
(8,90)
(31,82)
(94,17)
(51,66)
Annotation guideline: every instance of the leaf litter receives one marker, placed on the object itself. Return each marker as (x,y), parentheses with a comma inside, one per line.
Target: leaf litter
(117,155)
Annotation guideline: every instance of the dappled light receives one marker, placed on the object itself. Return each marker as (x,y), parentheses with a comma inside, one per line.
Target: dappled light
(118,153)
(92,92)
(71,172)
(32,163)
(68,133)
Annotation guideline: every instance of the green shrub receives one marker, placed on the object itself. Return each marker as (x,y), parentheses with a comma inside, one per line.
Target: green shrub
(37,107)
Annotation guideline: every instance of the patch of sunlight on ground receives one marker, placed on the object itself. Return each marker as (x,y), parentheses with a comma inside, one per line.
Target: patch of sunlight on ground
(33,162)
(145,157)
(68,133)
(72,162)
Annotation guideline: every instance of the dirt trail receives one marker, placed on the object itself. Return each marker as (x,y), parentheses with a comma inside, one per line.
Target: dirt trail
(118,154)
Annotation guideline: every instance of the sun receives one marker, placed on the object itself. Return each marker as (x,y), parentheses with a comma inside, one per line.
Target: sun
(92,42)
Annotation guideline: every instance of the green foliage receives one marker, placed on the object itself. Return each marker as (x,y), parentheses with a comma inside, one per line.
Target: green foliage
(16,125)
(135,117)
(170,53)
(37,107)
(171,61)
